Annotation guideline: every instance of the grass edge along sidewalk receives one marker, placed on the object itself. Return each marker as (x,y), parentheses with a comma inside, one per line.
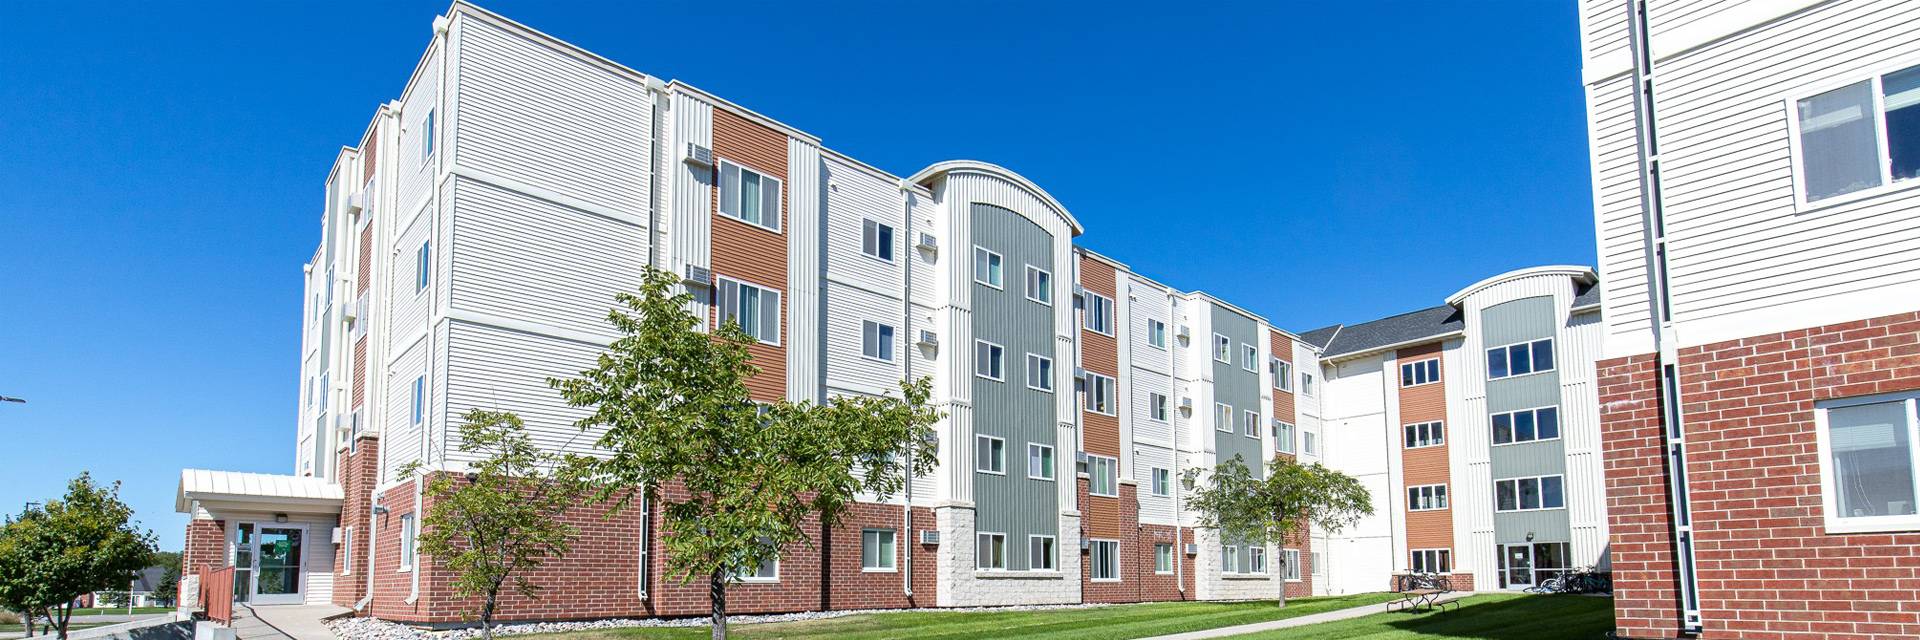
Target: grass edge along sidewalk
(1487,616)
(1116,622)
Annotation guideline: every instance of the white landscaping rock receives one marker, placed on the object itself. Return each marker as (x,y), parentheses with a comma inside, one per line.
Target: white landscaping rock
(377,629)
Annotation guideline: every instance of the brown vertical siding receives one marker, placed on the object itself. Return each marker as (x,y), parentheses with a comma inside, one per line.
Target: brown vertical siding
(1282,348)
(370,149)
(1427,465)
(754,254)
(1100,353)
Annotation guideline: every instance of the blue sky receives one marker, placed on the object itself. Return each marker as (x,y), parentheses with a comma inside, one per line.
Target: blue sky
(1316,163)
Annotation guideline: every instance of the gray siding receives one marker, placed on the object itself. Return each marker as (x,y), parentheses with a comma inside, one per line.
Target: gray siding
(1506,323)
(1013,504)
(1236,386)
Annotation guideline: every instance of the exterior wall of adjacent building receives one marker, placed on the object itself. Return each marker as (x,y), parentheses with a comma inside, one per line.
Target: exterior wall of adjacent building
(1781,310)
(1361,556)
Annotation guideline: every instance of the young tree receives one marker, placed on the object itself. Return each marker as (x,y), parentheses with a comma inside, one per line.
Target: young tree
(503,518)
(78,544)
(1280,506)
(733,479)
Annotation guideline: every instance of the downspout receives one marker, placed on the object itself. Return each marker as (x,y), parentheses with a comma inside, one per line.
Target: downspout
(1653,229)
(1173,389)
(906,368)
(654,258)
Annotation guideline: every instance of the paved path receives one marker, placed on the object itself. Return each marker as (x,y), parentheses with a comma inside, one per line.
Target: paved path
(1257,627)
(284,622)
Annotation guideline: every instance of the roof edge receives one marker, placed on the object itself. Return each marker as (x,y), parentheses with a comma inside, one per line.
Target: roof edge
(1578,272)
(1004,173)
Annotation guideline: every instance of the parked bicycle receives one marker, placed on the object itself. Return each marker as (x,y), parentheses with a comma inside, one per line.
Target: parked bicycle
(1579,580)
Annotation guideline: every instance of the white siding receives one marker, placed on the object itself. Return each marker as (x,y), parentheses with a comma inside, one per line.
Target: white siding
(505,370)
(1617,215)
(520,257)
(1153,509)
(400,441)
(848,370)
(415,175)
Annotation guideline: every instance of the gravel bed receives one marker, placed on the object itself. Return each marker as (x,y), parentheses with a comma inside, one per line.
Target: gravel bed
(376,629)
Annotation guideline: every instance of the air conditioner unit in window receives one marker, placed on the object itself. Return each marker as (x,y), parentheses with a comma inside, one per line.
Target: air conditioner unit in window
(1185,332)
(1193,549)
(929,537)
(699,276)
(928,242)
(1079,373)
(357,202)
(928,338)
(1186,403)
(698,155)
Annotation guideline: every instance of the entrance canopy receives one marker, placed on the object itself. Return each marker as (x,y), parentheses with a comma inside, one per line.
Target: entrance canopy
(218,491)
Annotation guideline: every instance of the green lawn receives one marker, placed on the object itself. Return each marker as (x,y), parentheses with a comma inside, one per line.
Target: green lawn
(1117,622)
(1484,617)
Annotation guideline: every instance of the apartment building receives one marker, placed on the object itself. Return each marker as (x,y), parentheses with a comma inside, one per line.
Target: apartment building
(1753,169)
(474,237)
(1473,423)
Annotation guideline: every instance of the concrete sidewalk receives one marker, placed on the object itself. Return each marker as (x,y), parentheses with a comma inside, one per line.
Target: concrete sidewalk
(284,622)
(1257,627)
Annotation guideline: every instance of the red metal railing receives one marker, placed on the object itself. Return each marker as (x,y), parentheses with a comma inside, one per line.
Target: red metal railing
(216,593)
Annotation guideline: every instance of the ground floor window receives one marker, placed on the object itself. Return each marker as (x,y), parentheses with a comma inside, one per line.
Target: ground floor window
(1526,565)
(1868,469)
(1292,559)
(1163,558)
(1040,553)
(1105,556)
(1256,560)
(990,551)
(876,550)
(1432,561)
(1229,559)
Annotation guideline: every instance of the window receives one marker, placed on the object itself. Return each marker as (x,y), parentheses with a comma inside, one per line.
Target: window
(1432,561)
(1838,134)
(1039,373)
(1040,553)
(1222,348)
(986,268)
(755,309)
(1520,359)
(987,360)
(876,340)
(1413,374)
(1526,425)
(419,399)
(407,536)
(767,570)
(1528,494)
(346,551)
(1256,560)
(749,196)
(1250,424)
(1039,461)
(1156,333)
(1039,285)
(1425,434)
(1103,475)
(1099,315)
(1306,384)
(1101,391)
(1867,468)
(1105,558)
(1162,558)
(1157,406)
(990,552)
(990,455)
(1291,557)
(1249,357)
(1431,497)
(1282,373)
(1162,482)
(426,138)
(1522,564)
(422,266)
(1307,443)
(1223,417)
(876,240)
(1229,559)
(1282,437)
(876,550)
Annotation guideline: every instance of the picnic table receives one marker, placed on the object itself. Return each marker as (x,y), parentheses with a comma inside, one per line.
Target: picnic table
(1422,591)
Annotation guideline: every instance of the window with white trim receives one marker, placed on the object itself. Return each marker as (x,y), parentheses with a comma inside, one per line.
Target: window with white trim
(1223,417)
(1039,461)
(419,399)
(422,266)
(1282,373)
(1039,285)
(1413,374)
(1291,572)
(1250,358)
(1105,558)
(1869,463)
(1229,559)
(1535,493)
(1101,392)
(987,269)
(1156,334)
(1256,559)
(408,537)
(1222,348)
(1308,443)
(1250,424)
(1039,373)
(877,550)
(989,360)
(990,454)
(876,340)
(1099,314)
(346,552)
(1282,437)
(1162,558)
(1526,425)
(1424,434)
(1839,147)
(753,308)
(1306,384)
(876,240)
(1040,553)
(990,552)
(1520,359)
(1103,476)
(1157,406)
(1162,482)
(427,137)
(1432,561)
(1427,497)
(749,196)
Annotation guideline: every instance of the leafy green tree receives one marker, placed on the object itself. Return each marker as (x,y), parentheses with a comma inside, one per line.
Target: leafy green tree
(78,544)
(1280,506)
(168,591)
(502,519)
(734,480)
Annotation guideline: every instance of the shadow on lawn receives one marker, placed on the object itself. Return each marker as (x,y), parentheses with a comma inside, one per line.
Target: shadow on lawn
(1517,617)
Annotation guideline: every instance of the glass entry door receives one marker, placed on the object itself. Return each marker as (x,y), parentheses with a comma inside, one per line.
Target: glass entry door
(243,557)
(1519,561)
(277,579)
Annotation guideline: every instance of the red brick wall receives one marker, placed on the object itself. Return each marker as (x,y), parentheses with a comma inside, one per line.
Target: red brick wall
(1766,566)
(206,545)
(359,472)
